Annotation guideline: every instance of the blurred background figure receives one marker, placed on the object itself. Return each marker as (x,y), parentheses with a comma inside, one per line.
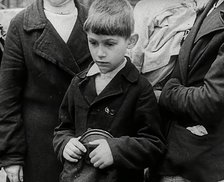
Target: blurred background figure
(161,25)
(15,3)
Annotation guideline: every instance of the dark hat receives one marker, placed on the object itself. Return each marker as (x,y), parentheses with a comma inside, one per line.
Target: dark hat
(94,134)
(83,170)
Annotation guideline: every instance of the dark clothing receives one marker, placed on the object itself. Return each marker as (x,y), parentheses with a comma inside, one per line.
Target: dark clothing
(196,97)
(36,70)
(127,109)
(2,40)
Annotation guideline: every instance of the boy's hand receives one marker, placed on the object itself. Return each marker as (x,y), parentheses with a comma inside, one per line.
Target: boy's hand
(73,150)
(101,156)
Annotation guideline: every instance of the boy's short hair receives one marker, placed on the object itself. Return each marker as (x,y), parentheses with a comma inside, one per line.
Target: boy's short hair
(110,17)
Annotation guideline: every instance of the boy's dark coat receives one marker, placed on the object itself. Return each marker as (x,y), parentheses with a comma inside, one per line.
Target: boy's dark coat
(126,108)
(198,99)
(36,69)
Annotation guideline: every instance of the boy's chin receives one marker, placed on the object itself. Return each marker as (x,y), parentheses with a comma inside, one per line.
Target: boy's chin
(104,70)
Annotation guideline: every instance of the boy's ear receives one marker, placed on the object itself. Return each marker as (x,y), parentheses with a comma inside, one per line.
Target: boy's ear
(132,41)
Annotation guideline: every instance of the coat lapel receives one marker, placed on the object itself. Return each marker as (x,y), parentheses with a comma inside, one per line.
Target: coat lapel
(212,23)
(112,89)
(87,89)
(61,55)
(118,85)
(49,44)
(78,39)
(188,43)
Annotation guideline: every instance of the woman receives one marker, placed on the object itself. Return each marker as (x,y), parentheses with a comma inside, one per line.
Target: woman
(45,47)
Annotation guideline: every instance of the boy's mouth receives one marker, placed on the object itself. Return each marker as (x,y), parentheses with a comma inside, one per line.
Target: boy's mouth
(101,63)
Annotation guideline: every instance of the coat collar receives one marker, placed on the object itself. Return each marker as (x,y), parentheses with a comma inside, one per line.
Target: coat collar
(187,46)
(34,17)
(129,72)
(49,45)
(214,22)
(115,87)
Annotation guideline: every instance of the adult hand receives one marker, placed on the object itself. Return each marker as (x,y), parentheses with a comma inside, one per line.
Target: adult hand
(14,173)
(101,156)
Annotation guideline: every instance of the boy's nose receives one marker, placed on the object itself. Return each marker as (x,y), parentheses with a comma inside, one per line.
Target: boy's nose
(100,52)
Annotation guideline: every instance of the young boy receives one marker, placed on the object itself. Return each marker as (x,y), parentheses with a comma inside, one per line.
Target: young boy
(111,96)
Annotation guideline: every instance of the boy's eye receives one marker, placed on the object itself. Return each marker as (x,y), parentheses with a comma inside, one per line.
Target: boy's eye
(94,43)
(109,44)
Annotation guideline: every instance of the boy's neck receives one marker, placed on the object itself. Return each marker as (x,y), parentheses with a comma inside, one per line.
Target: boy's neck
(65,8)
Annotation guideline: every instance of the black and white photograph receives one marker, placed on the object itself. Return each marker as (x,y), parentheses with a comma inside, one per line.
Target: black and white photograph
(111,90)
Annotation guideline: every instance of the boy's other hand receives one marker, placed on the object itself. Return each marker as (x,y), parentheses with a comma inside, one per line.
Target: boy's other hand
(73,150)
(101,156)
(14,173)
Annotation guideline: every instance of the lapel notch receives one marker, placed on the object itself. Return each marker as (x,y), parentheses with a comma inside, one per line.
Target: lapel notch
(49,44)
(121,82)
(212,23)
(118,85)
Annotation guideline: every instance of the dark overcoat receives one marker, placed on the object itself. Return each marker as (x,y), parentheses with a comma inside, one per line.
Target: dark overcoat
(126,108)
(195,96)
(36,69)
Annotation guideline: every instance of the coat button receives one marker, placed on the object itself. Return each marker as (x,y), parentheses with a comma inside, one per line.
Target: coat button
(107,110)
(112,112)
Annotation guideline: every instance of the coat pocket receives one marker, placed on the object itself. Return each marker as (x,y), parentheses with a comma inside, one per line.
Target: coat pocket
(198,158)
(184,147)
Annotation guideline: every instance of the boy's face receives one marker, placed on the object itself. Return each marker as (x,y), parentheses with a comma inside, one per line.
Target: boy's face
(107,51)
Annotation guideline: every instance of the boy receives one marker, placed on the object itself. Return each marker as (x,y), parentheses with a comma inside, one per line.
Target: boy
(111,96)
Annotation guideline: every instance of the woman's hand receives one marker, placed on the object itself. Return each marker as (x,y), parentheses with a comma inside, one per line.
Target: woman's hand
(14,173)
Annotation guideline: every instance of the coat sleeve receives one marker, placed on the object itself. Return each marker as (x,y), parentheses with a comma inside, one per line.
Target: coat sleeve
(12,78)
(65,131)
(145,148)
(203,104)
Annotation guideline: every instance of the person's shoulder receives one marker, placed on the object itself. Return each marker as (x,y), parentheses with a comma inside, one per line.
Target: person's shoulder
(134,74)
(144,82)
(22,11)
(80,76)
(82,10)
(18,19)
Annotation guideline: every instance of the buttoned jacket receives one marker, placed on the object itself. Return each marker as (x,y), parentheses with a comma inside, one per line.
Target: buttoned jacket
(127,109)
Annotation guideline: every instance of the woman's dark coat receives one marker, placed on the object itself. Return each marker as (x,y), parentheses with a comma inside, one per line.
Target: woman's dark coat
(36,69)
(196,97)
(127,109)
